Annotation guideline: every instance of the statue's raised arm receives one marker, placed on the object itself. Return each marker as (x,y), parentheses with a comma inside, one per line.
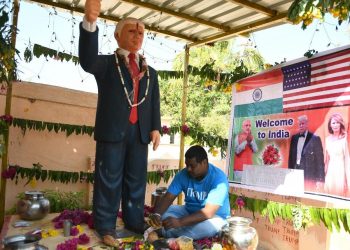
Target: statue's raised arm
(92,10)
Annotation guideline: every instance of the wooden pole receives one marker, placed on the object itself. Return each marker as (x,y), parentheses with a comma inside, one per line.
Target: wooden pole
(4,160)
(183,113)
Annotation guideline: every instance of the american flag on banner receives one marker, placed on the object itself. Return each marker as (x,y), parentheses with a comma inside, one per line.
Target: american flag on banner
(317,83)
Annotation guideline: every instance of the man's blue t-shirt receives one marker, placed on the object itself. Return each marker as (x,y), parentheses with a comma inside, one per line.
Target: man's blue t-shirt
(212,189)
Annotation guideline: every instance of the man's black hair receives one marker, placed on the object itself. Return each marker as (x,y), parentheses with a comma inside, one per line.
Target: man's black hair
(198,152)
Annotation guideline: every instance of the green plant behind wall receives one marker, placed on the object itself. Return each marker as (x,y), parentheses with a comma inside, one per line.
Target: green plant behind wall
(59,201)
(8,63)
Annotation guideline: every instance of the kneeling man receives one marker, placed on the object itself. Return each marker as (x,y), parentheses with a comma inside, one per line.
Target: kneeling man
(206,200)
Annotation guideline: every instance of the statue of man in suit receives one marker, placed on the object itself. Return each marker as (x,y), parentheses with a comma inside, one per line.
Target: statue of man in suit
(306,152)
(127,120)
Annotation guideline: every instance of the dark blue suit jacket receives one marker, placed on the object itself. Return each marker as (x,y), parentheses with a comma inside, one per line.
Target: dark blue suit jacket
(312,159)
(113,110)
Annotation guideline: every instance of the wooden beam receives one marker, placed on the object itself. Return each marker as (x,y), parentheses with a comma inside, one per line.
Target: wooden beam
(242,29)
(111,18)
(6,135)
(177,14)
(254,6)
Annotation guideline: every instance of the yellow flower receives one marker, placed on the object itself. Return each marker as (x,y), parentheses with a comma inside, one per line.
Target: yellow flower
(80,229)
(82,248)
(214,152)
(128,239)
(52,232)
(228,89)
(44,234)
(33,183)
(267,65)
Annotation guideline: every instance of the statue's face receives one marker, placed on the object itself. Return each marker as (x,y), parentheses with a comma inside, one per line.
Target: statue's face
(131,37)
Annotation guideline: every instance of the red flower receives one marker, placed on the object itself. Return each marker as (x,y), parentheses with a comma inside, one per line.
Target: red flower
(240,202)
(7,118)
(185,129)
(74,231)
(83,239)
(9,173)
(165,130)
(271,155)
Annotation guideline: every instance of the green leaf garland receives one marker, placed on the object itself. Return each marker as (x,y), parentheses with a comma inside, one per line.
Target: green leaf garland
(38,173)
(197,135)
(302,216)
(206,72)
(39,50)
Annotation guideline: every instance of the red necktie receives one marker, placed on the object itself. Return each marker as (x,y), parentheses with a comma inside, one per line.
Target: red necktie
(134,74)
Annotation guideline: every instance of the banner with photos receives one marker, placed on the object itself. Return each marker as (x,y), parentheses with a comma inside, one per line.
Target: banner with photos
(296,117)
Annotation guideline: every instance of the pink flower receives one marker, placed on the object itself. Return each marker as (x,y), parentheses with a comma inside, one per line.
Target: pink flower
(71,244)
(7,118)
(74,231)
(9,173)
(240,202)
(161,173)
(90,222)
(185,129)
(165,130)
(83,239)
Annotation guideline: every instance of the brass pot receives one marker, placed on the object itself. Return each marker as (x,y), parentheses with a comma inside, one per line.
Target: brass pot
(239,235)
(34,206)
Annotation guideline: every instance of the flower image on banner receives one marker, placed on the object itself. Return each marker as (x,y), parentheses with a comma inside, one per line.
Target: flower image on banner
(271,155)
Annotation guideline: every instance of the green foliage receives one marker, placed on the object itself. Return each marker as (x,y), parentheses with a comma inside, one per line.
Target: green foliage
(37,172)
(302,216)
(39,51)
(8,63)
(306,11)
(212,72)
(59,200)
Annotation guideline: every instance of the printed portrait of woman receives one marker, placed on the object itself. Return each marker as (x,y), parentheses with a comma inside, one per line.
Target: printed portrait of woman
(337,163)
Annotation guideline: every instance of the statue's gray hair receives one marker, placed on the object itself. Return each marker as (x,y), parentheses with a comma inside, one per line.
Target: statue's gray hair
(128,20)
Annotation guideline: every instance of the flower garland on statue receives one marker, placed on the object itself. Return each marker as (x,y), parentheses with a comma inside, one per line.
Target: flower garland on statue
(144,69)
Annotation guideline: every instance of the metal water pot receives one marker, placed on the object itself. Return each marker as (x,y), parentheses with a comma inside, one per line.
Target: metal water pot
(34,206)
(21,242)
(239,235)
(157,195)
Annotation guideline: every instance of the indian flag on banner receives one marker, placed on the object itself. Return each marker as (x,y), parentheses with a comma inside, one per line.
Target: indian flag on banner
(260,94)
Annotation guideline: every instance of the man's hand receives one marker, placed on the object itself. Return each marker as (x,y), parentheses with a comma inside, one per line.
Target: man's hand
(172,222)
(92,10)
(155,220)
(155,139)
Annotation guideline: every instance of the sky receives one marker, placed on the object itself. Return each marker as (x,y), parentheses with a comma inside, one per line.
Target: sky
(60,30)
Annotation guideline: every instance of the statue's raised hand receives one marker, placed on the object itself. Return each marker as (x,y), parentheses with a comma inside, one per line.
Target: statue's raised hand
(92,10)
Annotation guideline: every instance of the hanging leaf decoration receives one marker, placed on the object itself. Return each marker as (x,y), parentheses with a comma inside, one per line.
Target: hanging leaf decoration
(39,51)
(300,215)
(198,135)
(39,173)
